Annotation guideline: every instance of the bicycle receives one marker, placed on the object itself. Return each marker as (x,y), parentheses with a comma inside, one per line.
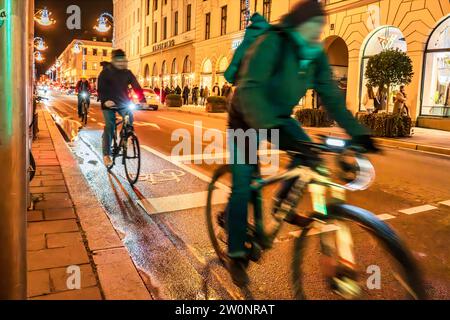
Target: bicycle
(126,145)
(332,221)
(84,108)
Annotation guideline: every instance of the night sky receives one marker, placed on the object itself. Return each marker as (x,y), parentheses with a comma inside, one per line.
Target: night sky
(58,36)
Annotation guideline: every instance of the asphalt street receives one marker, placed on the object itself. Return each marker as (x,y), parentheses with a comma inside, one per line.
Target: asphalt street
(162,220)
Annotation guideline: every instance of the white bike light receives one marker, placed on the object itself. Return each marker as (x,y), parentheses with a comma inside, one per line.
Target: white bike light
(333,142)
(131,106)
(84,95)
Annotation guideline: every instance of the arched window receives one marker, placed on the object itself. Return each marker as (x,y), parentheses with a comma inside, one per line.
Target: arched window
(222,66)
(436,75)
(187,66)
(187,77)
(155,77)
(383,38)
(174,77)
(146,75)
(206,75)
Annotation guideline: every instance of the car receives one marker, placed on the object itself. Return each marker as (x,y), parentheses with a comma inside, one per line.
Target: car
(152,100)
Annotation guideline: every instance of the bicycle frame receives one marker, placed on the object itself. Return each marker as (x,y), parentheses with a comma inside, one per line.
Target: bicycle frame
(125,122)
(319,185)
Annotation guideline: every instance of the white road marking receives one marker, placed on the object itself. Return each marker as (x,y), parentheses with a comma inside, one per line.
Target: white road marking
(93,120)
(215,156)
(146,124)
(418,209)
(385,216)
(184,167)
(445,203)
(190,124)
(182,201)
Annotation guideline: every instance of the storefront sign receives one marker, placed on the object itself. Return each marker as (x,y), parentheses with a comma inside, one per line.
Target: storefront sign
(2,17)
(164,45)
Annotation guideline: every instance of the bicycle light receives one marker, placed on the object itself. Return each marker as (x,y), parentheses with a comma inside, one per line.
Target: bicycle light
(333,142)
(84,95)
(131,106)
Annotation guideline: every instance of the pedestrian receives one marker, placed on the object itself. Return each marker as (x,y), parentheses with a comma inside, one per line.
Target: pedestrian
(178,90)
(399,102)
(369,99)
(186,92)
(195,95)
(202,95)
(216,90)
(205,95)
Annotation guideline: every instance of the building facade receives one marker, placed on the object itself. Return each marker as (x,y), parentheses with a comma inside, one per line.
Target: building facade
(82,58)
(193,41)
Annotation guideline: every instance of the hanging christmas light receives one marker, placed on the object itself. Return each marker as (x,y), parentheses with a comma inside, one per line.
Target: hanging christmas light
(43,17)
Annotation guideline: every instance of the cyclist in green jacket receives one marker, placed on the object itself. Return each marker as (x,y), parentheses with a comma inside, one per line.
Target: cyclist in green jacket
(273,76)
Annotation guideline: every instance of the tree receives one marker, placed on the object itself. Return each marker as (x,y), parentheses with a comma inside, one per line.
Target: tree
(389,67)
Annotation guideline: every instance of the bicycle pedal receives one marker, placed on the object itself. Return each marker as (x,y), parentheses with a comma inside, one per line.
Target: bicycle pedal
(298,220)
(346,288)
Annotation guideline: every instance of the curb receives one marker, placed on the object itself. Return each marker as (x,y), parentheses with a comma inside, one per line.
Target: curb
(382,141)
(104,243)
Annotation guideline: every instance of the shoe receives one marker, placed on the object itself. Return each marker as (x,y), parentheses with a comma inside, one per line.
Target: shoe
(107,161)
(297,220)
(238,271)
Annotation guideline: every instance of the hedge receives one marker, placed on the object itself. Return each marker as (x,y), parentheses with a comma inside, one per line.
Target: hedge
(174,100)
(313,118)
(386,125)
(216,104)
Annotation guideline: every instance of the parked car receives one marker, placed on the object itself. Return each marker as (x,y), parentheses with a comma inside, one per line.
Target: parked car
(152,100)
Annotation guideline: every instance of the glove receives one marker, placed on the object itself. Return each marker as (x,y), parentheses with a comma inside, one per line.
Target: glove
(366,142)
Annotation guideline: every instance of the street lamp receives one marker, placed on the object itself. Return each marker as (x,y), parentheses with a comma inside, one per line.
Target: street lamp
(39,44)
(42,16)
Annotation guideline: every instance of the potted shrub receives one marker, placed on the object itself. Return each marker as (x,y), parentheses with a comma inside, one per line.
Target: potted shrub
(174,100)
(387,125)
(313,118)
(216,104)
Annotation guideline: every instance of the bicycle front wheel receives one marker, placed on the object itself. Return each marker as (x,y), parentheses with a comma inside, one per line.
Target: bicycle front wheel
(85,114)
(132,159)
(383,268)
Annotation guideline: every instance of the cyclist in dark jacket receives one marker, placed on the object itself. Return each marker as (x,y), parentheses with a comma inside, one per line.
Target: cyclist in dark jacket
(83,90)
(114,83)
(287,61)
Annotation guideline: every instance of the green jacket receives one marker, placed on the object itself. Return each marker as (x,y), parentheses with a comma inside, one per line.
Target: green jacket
(271,82)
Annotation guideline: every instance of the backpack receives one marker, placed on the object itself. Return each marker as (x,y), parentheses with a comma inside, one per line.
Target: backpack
(258,26)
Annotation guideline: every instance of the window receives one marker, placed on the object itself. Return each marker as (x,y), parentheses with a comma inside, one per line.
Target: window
(138,45)
(165,2)
(148,7)
(175,24)
(256,6)
(155,5)
(436,80)
(94,66)
(207,26)
(85,51)
(84,65)
(223,21)
(94,52)
(147,38)
(164,35)
(188,17)
(243,16)
(138,15)
(155,32)
(105,52)
(267,9)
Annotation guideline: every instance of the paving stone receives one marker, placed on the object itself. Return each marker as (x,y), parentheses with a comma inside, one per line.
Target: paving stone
(54,204)
(59,214)
(56,196)
(54,189)
(59,240)
(57,257)
(36,242)
(56,226)
(38,283)
(35,215)
(92,293)
(50,183)
(59,277)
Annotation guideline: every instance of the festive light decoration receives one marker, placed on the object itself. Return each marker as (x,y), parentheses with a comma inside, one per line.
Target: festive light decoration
(105,22)
(39,44)
(77,46)
(38,56)
(43,17)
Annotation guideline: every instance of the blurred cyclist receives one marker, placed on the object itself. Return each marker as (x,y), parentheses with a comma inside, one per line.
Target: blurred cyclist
(83,90)
(287,60)
(113,87)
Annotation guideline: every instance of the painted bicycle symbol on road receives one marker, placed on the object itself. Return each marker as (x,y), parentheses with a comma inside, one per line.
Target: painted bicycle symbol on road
(163,176)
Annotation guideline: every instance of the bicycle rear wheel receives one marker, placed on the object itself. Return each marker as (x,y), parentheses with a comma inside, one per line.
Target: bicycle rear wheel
(132,159)
(383,266)
(85,114)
